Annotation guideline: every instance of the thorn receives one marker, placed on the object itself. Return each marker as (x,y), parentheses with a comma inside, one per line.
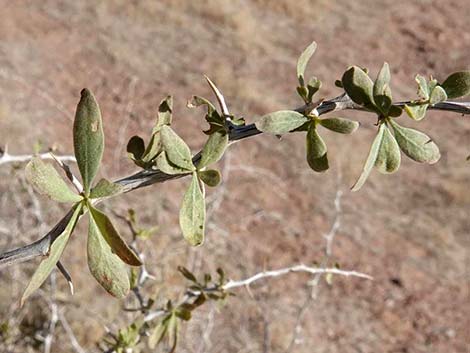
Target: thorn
(220,98)
(67,276)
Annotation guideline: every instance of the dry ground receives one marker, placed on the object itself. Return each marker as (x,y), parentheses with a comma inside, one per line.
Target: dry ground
(409,230)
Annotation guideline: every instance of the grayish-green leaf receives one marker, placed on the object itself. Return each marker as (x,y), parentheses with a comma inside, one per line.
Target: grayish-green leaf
(47,181)
(313,85)
(177,151)
(107,268)
(341,125)
(382,92)
(303,61)
(389,157)
(88,138)
(423,88)
(438,95)
(210,177)
(457,85)
(55,252)
(214,148)
(358,86)
(281,122)
(415,144)
(113,238)
(193,213)
(167,167)
(371,158)
(316,150)
(416,112)
(382,82)
(105,188)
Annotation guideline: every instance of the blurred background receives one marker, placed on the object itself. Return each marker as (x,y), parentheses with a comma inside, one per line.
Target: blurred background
(410,230)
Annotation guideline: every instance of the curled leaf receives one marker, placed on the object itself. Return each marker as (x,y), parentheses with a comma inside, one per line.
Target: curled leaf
(88,138)
(281,122)
(47,181)
(136,148)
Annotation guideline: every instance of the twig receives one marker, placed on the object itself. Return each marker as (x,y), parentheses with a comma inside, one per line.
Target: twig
(220,98)
(73,340)
(299,268)
(150,177)
(5,157)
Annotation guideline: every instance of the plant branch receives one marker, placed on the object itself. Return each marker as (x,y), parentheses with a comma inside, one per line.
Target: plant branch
(150,177)
(5,157)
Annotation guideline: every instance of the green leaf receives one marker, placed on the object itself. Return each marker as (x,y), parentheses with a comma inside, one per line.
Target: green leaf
(88,138)
(388,158)
(193,213)
(415,144)
(438,95)
(303,61)
(167,167)
(281,122)
(176,149)
(416,112)
(316,150)
(214,149)
(210,177)
(105,188)
(358,86)
(107,268)
(371,159)
(112,237)
(55,252)
(341,125)
(457,85)
(47,181)
(136,148)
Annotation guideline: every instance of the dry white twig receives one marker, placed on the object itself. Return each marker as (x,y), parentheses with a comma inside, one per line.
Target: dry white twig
(298,268)
(5,157)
